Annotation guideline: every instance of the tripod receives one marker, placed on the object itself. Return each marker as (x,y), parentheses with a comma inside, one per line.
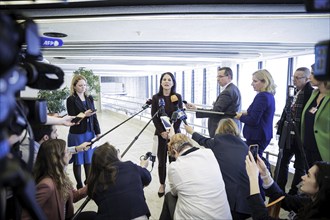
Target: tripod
(123,154)
(289,130)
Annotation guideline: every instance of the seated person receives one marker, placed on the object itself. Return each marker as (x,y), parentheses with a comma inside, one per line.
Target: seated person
(315,186)
(54,191)
(117,186)
(196,184)
(230,151)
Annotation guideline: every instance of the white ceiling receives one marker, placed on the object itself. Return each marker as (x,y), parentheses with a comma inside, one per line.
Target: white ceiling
(153,39)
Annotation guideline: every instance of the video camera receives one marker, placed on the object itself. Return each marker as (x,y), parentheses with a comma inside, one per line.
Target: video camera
(21,65)
(322,64)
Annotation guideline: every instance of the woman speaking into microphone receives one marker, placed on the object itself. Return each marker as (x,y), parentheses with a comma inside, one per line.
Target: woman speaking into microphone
(173,102)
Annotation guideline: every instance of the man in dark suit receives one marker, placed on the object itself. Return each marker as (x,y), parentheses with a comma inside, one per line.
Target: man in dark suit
(229,100)
(304,91)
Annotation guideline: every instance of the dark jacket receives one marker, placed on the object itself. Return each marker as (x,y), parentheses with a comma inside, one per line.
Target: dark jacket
(123,200)
(290,203)
(74,106)
(301,101)
(230,152)
(258,122)
(169,109)
(229,100)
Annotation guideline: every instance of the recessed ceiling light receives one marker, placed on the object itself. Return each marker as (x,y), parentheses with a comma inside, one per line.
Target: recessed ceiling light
(55,34)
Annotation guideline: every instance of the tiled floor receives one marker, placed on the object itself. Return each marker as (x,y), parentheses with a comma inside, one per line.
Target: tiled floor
(121,138)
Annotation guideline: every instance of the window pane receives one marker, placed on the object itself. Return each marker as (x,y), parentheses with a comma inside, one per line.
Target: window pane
(244,83)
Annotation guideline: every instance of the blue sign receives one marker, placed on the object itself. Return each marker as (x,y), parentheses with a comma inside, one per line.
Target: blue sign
(51,42)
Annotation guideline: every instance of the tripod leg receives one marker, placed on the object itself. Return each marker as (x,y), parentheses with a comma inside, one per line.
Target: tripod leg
(300,146)
(282,143)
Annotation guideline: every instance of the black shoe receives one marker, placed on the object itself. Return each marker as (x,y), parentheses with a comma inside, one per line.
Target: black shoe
(161,194)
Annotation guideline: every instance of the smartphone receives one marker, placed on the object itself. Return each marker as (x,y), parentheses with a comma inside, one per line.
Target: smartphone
(254,148)
(94,110)
(78,118)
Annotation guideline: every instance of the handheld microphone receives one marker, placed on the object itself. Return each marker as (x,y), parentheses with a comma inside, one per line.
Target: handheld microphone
(182,116)
(147,104)
(161,104)
(174,117)
(175,101)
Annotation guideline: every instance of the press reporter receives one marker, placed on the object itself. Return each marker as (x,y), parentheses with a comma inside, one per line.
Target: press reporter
(117,186)
(80,102)
(197,190)
(311,204)
(54,191)
(230,151)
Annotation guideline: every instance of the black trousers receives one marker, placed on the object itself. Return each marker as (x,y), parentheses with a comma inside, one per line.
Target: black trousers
(168,207)
(299,165)
(162,158)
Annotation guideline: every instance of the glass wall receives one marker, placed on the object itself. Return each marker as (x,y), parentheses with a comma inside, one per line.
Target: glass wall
(203,87)
(278,68)
(244,83)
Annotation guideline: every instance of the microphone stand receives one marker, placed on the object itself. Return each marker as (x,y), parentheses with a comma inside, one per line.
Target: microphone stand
(93,141)
(129,146)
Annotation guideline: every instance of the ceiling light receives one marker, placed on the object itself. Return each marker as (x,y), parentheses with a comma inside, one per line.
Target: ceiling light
(55,34)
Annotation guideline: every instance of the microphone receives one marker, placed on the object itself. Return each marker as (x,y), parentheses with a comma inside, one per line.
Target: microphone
(185,102)
(147,104)
(182,116)
(175,101)
(161,104)
(174,117)
(162,114)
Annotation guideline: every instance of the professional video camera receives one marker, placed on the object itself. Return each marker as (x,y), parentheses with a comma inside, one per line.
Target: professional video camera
(20,62)
(322,64)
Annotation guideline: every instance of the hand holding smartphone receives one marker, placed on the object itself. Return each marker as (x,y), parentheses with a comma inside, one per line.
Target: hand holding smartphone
(78,118)
(254,148)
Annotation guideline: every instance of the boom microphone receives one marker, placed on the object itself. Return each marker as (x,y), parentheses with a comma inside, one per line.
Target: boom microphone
(147,104)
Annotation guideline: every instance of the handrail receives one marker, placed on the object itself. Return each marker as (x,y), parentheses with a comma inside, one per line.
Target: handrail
(125,103)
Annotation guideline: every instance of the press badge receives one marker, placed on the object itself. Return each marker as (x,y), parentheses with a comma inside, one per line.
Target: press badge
(313,110)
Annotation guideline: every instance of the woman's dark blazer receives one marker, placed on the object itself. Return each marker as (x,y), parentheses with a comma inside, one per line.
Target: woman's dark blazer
(258,122)
(123,200)
(169,109)
(230,152)
(74,106)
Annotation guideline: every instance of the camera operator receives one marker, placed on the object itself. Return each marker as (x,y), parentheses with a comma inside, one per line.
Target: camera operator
(303,92)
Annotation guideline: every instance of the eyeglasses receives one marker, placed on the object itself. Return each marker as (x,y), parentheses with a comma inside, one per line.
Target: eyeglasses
(220,76)
(298,77)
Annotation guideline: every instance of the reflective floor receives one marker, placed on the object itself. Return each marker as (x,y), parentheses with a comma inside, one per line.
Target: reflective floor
(122,137)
